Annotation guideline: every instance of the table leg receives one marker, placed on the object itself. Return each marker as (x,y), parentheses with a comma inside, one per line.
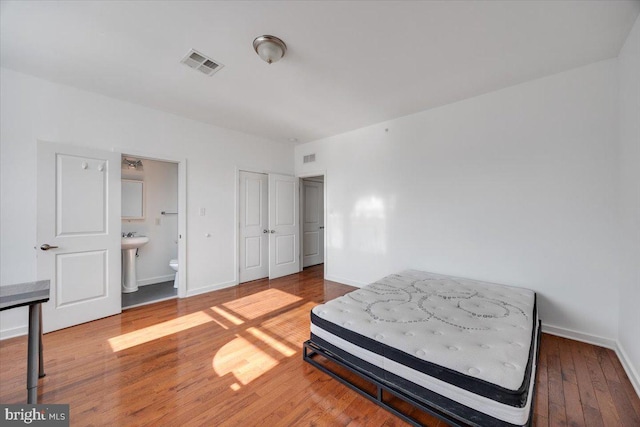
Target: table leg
(41,373)
(32,353)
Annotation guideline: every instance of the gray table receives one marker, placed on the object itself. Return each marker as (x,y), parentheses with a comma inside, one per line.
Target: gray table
(32,294)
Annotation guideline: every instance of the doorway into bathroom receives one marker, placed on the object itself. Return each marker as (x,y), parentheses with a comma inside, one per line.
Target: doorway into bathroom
(150,210)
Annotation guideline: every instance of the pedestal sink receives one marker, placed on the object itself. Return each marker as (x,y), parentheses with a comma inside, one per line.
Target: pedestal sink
(129,247)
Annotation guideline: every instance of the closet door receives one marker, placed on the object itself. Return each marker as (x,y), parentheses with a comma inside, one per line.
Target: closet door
(284,231)
(254,226)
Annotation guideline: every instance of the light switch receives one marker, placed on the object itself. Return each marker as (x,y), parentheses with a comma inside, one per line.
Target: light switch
(202,211)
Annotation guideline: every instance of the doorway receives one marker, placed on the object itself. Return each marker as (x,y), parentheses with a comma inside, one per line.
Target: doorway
(152,213)
(312,214)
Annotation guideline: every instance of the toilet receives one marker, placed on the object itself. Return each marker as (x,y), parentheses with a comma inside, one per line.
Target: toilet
(174,266)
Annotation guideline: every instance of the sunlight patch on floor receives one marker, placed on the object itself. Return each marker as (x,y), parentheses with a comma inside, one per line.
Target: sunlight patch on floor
(229,314)
(160,330)
(243,359)
(260,303)
(224,313)
(288,327)
(279,346)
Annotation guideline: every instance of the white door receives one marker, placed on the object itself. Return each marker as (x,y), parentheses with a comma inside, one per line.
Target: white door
(313,223)
(284,231)
(254,226)
(79,216)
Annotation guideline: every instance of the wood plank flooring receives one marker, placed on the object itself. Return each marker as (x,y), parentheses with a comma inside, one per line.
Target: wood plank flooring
(233,357)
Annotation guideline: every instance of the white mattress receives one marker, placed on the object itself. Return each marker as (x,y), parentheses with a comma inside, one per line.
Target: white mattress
(480,333)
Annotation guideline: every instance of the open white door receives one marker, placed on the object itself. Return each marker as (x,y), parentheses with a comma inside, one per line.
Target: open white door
(284,237)
(254,226)
(79,221)
(313,223)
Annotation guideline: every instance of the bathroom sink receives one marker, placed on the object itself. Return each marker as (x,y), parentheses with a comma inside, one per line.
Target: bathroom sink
(130,246)
(134,242)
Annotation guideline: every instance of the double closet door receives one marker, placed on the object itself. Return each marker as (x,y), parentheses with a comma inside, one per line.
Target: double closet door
(269,226)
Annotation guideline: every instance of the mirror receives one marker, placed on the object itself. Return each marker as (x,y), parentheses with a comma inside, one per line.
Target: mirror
(132,199)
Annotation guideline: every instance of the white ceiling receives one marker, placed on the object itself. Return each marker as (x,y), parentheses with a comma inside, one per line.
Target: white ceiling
(349,64)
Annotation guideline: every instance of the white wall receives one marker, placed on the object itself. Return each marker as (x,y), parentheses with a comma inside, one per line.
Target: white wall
(517,186)
(161,194)
(32,109)
(629,112)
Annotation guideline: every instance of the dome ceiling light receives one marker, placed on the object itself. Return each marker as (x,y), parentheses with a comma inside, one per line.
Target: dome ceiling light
(269,48)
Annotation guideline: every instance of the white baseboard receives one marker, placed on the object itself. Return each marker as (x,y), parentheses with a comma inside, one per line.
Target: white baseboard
(154,280)
(614,345)
(13,332)
(579,336)
(345,281)
(209,288)
(631,371)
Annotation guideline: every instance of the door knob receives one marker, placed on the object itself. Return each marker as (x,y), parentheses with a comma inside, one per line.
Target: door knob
(265,231)
(273,231)
(47,246)
(321,227)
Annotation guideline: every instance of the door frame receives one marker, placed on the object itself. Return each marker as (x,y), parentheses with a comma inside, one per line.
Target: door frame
(325,191)
(182,209)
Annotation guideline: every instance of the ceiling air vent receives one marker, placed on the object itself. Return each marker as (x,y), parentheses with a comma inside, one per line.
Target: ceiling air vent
(309,158)
(202,63)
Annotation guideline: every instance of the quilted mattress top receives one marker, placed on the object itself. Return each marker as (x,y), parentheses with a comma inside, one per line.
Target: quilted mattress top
(479,329)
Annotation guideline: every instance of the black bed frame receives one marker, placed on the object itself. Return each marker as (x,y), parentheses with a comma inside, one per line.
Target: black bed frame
(311,350)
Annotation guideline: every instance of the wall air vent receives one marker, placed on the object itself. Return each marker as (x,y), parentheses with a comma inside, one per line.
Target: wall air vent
(202,63)
(309,158)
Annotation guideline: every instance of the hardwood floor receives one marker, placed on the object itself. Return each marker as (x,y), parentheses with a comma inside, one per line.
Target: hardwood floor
(233,357)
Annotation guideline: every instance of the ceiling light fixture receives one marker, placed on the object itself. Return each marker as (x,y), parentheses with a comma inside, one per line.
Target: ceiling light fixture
(269,48)
(132,164)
